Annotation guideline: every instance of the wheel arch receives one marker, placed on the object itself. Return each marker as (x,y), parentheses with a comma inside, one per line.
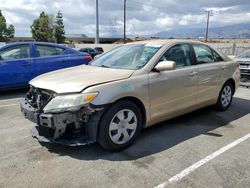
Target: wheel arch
(231,80)
(99,132)
(95,118)
(139,103)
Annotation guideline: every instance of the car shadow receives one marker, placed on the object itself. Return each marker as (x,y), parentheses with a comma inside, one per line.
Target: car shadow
(11,94)
(163,136)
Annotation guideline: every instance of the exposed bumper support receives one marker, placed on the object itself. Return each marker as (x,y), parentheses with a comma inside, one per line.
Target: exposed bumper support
(77,141)
(67,128)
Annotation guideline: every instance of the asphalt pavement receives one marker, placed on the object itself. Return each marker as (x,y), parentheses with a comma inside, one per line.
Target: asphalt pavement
(189,150)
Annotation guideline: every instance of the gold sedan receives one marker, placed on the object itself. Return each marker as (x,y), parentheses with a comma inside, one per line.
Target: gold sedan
(129,88)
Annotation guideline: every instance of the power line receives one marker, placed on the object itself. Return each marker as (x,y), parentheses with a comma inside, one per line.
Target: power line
(138,3)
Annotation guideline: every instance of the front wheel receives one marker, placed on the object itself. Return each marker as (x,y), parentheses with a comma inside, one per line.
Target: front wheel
(225,97)
(119,126)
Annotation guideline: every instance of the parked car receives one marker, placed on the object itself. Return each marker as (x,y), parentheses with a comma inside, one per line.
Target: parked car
(22,61)
(90,51)
(100,49)
(129,88)
(244,60)
(64,44)
(2,44)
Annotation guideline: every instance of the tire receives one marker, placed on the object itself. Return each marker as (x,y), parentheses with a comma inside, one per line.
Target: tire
(120,125)
(225,97)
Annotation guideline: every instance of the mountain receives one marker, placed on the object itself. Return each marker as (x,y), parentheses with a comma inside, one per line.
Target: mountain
(231,31)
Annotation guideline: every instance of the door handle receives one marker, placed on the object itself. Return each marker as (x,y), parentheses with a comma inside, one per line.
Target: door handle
(192,74)
(26,64)
(64,61)
(223,67)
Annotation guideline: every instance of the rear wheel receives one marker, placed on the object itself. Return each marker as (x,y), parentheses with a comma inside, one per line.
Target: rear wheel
(225,97)
(120,125)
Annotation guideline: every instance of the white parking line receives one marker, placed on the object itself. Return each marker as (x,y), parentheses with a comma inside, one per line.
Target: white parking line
(7,105)
(203,161)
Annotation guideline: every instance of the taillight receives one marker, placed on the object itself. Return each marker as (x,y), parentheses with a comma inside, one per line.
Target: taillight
(88,58)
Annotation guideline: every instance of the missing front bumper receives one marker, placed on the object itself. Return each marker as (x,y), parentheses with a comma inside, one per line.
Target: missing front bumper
(68,128)
(74,141)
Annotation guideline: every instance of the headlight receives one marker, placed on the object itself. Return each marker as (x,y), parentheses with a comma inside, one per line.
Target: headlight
(69,102)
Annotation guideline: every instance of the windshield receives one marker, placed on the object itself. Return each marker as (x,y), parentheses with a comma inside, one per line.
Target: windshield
(245,54)
(133,57)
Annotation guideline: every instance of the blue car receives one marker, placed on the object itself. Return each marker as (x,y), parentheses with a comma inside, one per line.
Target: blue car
(22,61)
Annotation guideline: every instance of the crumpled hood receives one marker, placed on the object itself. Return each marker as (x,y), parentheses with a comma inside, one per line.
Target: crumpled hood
(77,78)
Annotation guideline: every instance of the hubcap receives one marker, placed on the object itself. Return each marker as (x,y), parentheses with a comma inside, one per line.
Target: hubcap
(226,96)
(123,126)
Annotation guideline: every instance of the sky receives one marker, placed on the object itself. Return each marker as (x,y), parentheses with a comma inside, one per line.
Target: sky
(144,17)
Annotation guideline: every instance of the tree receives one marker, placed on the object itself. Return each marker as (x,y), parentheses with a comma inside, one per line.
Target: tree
(2,26)
(10,31)
(42,28)
(59,32)
(6,33)
(52,28)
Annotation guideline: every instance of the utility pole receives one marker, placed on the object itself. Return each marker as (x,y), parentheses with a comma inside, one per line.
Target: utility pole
(97,23)
(208,16)
(124,32)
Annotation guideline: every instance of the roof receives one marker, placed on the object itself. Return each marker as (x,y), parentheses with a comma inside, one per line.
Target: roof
(166,41)
(32,42)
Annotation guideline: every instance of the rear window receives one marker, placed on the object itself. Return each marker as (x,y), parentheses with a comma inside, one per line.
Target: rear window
(245,54)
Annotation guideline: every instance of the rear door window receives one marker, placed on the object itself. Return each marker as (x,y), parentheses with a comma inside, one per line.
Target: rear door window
(47,51)
(203,54)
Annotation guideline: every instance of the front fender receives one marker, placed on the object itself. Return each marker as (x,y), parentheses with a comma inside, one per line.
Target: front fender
(135,86)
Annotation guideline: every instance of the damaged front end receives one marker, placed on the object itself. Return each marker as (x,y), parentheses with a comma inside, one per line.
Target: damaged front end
(76,126)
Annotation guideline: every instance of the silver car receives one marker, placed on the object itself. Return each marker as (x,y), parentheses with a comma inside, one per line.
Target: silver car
(127,89)
(244,60)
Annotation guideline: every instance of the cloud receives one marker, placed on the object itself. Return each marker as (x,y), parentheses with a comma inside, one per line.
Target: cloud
(143,17)
(191,19)
(166,21)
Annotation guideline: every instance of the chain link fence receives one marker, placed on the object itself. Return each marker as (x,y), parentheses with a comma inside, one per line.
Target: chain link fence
(231,48)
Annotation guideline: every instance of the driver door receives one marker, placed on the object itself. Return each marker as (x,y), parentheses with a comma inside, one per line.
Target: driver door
(173,92)
(16,66)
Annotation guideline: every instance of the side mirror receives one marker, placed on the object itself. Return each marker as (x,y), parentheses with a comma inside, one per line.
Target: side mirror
(165,65)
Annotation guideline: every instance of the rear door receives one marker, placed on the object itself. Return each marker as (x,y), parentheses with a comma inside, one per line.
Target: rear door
(211,69)
(49,58)
(16,66)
